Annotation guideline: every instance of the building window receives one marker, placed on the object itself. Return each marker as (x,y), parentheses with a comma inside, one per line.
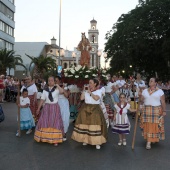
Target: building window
(6,11)
(9,46)
(12,1)
(2,44)
(6,28)
(2,26)
(65,65)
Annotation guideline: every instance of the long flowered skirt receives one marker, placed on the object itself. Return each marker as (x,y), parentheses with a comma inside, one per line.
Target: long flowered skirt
(109,103)
(50,126)
(103,107)
(152,123)
(90,126)
(26,119)
(33,107)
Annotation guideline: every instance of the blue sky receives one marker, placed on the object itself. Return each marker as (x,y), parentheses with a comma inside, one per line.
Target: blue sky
(38,20)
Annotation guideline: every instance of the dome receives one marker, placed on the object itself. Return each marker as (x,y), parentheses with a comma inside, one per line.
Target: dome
(93,21)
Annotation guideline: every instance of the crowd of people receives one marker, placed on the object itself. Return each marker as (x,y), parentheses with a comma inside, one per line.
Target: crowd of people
(96,107)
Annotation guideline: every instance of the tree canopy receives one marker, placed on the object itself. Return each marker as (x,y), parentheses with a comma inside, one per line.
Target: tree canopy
(141,39)
(41,65)
(8,59)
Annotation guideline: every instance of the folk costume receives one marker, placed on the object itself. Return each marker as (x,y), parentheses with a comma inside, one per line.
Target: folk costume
(103,107)
(26,118)
(65,112)
(50,125)
(152,121)
(32,89)
(122,124)
(109,101)
(90,126)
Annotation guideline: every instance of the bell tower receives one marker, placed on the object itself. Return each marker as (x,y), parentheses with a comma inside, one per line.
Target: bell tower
(93,34)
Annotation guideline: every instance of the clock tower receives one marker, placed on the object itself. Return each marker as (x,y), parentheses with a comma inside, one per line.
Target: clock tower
(93,38)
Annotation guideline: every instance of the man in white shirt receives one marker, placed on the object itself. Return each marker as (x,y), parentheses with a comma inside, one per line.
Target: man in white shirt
(120,82)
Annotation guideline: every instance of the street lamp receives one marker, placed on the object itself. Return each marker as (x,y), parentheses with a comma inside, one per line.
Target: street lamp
(74,56)
(99,53)
(62,53)
(59,33)
(105,56)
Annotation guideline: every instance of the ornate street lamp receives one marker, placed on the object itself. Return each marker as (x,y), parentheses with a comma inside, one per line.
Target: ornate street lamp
(99,53)
(74,56)
(59,63)
(105,56)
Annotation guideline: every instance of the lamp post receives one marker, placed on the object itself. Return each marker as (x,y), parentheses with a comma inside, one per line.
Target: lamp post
(99,53)
(62,54)
(74,56)
(59,32)
(105,56)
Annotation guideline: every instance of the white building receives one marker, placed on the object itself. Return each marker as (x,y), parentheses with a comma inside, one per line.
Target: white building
(7,24)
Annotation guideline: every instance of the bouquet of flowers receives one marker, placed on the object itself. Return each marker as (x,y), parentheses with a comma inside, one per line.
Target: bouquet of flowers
(80,75)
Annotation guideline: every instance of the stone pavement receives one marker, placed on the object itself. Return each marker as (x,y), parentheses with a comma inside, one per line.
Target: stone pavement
(25,154)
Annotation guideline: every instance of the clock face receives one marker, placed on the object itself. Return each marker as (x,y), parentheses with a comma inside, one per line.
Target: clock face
(93,49)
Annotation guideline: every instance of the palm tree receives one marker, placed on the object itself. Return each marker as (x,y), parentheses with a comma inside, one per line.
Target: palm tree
(143,1)
(9,60)
(41,65)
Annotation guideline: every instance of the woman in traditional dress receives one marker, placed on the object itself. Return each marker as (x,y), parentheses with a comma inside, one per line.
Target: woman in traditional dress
(102,105)
(32,95)
(109,101)
(64,106)
(152,118)
(50,125)
(90,126)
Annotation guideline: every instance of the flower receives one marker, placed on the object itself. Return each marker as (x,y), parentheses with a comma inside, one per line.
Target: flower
(72,70)
(78,67)
(80,75)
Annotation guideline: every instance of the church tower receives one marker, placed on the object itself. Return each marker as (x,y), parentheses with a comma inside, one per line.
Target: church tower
(93,34)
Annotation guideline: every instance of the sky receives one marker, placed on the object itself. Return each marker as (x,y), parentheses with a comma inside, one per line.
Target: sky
(38,20)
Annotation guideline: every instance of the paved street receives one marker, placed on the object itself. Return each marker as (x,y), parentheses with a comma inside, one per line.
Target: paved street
(25,154)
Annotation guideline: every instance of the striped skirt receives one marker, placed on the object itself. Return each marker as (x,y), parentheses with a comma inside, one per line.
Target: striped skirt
(152,123)
(121,129)
(90,126)
(121,125)
(50,126)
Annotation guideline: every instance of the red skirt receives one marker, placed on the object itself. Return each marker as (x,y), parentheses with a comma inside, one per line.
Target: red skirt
(33,106)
